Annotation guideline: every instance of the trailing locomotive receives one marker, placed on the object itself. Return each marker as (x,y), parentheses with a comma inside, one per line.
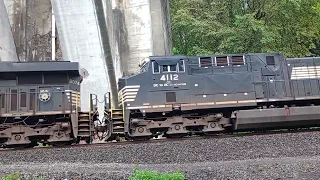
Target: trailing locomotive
(181,95)
(40,102)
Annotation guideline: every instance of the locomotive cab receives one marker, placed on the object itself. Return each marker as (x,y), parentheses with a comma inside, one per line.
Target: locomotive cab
(168,73)
(192,81)
(156,85)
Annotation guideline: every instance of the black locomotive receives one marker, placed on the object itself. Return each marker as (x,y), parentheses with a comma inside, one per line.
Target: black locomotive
(181,95)
(40,102)
(172,96)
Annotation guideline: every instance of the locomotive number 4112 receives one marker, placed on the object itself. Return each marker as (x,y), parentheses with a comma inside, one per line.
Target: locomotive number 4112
(169,77)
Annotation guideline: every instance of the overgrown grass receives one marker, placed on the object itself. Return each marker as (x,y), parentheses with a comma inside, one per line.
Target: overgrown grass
(137,175)
(152,175)
(16,176)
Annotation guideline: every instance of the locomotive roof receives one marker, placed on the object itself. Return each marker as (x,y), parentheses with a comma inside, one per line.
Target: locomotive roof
(211,55)
(38,66)
(171,60)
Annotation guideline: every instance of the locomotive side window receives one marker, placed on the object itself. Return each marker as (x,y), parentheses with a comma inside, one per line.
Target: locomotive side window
(205,62)
(270,61)
(181,66)
(155,67)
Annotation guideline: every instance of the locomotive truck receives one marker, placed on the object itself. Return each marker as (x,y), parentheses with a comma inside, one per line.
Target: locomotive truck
(173,96)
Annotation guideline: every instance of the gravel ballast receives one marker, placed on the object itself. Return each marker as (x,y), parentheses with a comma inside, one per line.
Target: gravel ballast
(277,156)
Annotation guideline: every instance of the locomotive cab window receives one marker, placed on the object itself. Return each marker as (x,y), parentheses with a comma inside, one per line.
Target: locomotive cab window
(181,66)
(155,67)
(169,68)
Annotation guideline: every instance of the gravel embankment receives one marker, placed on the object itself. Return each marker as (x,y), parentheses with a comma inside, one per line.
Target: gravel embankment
(279,156)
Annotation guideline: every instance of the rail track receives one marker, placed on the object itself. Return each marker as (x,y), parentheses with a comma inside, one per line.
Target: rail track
(196,137)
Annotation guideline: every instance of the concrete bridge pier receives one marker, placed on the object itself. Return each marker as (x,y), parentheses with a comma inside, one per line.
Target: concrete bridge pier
(7,46)
(143,29)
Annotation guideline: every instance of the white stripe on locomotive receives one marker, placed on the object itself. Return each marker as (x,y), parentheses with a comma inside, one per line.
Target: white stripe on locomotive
(310,72)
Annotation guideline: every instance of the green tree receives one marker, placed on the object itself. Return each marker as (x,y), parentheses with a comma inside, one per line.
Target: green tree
(290,27)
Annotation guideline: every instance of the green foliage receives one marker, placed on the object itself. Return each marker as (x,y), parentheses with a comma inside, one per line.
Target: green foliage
(291,27)
(14,176)
(151,175)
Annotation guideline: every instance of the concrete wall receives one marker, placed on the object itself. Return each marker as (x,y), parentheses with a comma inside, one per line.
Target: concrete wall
(143,30)
(80,41)
(30,22)
(7,47)
(161,27)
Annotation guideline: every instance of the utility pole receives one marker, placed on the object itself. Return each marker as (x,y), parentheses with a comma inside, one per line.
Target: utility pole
(104,34)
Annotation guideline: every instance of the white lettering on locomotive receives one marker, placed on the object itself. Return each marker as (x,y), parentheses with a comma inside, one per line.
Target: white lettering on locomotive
(169,77)
(71,81)
(170,84)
